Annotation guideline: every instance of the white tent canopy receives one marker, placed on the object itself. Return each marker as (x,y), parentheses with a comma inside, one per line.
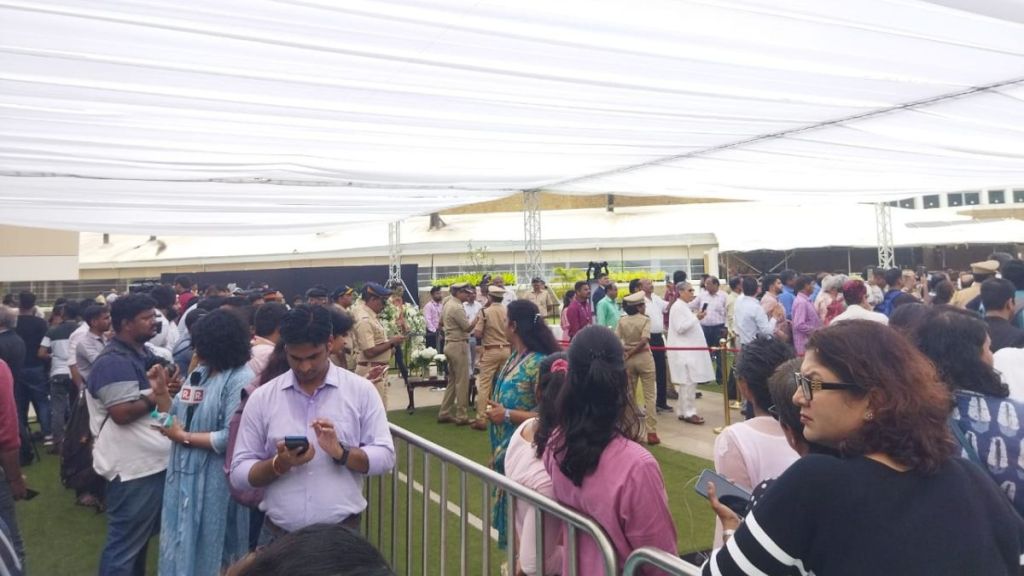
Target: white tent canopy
(263,116)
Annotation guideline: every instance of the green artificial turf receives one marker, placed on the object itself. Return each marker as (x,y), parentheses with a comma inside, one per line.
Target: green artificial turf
(63,539)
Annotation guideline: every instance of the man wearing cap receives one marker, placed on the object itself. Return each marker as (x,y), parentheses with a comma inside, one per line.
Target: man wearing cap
(457,328)
(634,329)
(970,297)
(342,299)
(316,296)
(546,302)
(372,343)
(493,337)
(499,282)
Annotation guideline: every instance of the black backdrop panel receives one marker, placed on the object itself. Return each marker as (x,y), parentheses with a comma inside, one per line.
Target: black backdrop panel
(294,281)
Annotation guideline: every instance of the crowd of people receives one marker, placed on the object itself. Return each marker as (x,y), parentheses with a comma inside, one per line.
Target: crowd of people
(881,433)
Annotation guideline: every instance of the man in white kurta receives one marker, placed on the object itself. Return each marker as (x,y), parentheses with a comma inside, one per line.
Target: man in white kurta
(687,368)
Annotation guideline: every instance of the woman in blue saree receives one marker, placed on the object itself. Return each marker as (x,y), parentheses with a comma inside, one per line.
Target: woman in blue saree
(202,529)
(513,400)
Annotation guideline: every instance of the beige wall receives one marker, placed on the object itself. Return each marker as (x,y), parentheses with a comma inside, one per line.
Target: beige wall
(37,254)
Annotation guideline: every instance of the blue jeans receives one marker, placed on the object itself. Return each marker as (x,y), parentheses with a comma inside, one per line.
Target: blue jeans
(33,387)
(133,516)
(8,516)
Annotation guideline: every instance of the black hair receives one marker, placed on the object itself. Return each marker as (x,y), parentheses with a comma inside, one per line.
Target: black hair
(749,286)
(1014,272)
(85,303)
(306,324)
(631,309)
(69,310)
(341,322)
(235,302)
(268,318)
(26,300)
(184,280)
(678,276)
(163,295)
(944,292)
(734,283)
(579,285)
(211,303)
(318,550)
(802,282)
(595,405)
(127,307)
(768,281)
(567,299)
(756,363)
(908,318)
(530,327)
(193,317)
(787,276)
(93,312)
(277,364)
(549,387)
(634,285)
(9,300)
(996,293)
(714,280)
(953,340)
(893,277)
(435,289)
(221,340)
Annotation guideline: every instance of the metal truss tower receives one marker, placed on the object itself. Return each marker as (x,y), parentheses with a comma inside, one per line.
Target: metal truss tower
(883,227)
(532,234)
(394,251)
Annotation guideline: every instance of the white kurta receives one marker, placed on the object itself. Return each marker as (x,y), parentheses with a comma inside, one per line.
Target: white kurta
(684,330)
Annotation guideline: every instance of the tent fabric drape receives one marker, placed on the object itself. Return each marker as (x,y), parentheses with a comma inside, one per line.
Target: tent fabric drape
(262,116)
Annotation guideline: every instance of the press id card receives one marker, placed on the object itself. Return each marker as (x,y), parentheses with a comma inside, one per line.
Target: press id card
(190,394)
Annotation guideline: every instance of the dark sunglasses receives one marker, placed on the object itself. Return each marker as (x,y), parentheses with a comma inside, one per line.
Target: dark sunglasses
(809,387)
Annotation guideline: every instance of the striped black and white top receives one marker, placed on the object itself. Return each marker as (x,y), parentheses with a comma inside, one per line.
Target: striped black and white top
(827,516)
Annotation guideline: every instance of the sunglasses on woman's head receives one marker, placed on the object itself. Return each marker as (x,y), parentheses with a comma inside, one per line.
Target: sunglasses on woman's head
(809,386)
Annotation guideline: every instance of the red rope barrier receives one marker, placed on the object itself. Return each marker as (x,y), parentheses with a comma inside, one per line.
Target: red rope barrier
(677,348)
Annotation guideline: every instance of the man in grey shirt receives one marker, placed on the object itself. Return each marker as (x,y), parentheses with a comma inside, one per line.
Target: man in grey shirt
(90,346)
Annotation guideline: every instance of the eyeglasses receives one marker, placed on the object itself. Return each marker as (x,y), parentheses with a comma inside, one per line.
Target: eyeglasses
(809,387)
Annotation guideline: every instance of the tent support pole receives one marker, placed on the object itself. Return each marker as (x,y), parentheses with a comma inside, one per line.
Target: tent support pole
(532,235)
(883,227)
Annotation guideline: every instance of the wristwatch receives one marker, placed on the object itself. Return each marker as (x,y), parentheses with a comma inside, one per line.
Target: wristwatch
(344,455)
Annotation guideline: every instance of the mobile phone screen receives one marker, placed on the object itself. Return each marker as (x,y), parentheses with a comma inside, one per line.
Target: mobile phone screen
(293,442)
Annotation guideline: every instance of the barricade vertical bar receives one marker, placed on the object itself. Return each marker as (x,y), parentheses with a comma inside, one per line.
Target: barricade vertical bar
(539,556)
(409,479)
(510,531)
(380,510)
(426,512)
(570,549)
(463,523)
(722,355)
(394,506)
(444,517)
(485,529)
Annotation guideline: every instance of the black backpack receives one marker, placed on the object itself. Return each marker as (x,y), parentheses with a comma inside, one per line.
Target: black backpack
(76,471)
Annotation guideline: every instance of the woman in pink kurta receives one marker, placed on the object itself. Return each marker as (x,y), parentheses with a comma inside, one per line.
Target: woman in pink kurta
(595,466)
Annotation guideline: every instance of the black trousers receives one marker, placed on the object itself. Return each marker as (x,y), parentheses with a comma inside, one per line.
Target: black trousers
(713,335)
(660,373)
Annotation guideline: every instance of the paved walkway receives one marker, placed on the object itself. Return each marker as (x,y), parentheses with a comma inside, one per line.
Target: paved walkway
(680,436)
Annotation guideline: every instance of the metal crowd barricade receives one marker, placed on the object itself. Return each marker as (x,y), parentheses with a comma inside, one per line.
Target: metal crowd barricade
(670,564)
(408,515)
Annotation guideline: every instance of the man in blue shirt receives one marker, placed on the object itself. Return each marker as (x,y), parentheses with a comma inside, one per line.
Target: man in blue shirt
(788,295)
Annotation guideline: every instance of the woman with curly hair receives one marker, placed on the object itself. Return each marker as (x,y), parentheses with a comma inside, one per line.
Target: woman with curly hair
(897,501)
(596,467)
(202,529)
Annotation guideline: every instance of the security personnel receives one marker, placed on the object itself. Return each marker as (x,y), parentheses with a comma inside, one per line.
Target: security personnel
(342,300)
(457,329)
(634,330)
(492,334)
(372,342)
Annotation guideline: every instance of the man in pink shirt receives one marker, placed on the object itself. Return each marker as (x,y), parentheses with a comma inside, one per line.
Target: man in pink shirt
(579,314)
(805,317)
(432,316)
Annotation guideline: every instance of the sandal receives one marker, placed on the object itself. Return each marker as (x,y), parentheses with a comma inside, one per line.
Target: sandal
(695,419)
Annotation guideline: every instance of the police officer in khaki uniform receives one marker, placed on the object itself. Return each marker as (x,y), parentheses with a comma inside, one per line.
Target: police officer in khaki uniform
(492,334)
(372,343)
(457,329)
(635,332)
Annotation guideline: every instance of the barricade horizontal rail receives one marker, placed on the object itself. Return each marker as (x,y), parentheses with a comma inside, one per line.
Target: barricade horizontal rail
(436,561)
(678,348)
(673,565)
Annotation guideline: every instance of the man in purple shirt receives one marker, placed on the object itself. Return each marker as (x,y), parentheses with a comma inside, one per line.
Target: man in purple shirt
(579,314)
(432,316)
(341,416)
(805,317)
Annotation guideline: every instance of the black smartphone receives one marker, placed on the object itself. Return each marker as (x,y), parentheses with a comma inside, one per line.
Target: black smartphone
(30,493)
(704,308)
(293,442)
(728,493)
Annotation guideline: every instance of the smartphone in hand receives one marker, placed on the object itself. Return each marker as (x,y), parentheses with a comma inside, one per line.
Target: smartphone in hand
(729,494)
(293,442)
